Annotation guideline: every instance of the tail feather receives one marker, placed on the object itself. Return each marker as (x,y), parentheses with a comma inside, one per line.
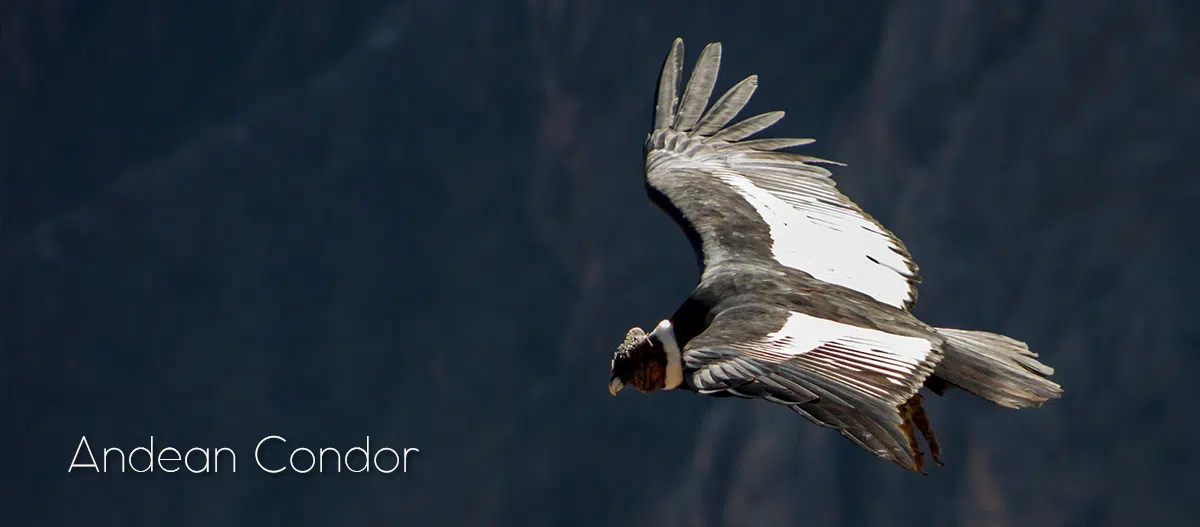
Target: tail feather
(995,367)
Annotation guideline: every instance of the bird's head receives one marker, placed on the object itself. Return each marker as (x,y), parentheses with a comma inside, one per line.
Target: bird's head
(641,360)
(623,360)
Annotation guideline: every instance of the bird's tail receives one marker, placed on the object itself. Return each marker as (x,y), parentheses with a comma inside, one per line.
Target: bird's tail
(995,367)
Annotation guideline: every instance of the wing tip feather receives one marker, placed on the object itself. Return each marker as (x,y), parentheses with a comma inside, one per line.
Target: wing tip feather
(667,95)
(689,112)
(699,88)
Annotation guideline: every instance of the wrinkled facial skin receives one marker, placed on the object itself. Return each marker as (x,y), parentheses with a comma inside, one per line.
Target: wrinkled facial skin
(621,368)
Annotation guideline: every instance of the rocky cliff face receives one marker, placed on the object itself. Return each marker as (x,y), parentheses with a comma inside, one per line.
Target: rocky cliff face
(426,223)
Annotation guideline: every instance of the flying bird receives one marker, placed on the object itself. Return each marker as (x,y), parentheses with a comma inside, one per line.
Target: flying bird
(804,299)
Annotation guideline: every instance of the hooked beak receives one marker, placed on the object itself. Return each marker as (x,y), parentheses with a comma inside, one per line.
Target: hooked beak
(615,385)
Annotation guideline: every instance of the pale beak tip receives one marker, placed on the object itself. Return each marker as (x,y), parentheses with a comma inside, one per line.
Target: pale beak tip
(615,386)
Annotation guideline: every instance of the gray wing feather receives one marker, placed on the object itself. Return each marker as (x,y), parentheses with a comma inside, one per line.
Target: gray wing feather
(748,127)
(668,86)
(768,144)
(699,88)
(727,107)
(885,442)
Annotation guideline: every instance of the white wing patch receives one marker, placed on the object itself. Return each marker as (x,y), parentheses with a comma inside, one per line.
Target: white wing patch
(831,243)
(844,352)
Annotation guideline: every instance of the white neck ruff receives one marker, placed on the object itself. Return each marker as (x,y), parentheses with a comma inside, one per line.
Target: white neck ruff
(665,334)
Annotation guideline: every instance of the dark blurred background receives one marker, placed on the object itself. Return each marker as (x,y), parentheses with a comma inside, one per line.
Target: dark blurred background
(425,222)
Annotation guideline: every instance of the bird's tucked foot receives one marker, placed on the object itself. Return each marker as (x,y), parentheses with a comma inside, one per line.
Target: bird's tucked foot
(907,426)
(921,420)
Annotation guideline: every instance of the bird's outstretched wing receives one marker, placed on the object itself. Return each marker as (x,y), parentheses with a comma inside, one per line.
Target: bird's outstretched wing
(740,199)
(837,375)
